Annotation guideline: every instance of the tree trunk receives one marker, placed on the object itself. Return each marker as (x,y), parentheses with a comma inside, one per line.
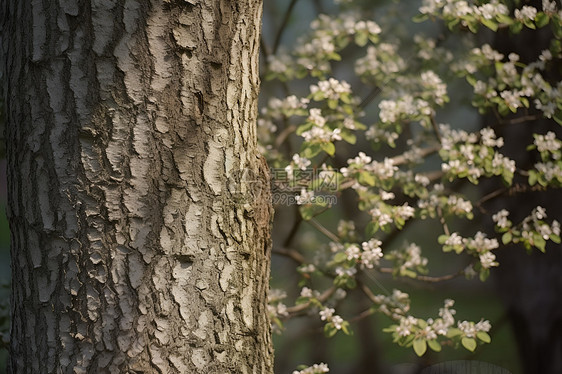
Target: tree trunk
(138,205)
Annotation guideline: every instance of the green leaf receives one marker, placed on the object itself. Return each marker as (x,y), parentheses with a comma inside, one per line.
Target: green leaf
(420,18)
(329,148)
(304,127)
(340,257)
(484,274)
(351,283)
(473,27)
(558,117)
(310,150)
(490,24)
(469,343)
(408,273)
(516,27)
(371,229)
(345,328)
(540,243)
(502,18)
(482,335)
(529,24)
(434,345)
(390,328)
(442,239)
(452,23)
(533,177)
(453,331)
(348,137)
(506,238)
(420,346)
(367,178)
(361,39)
(541,19)
(330,330)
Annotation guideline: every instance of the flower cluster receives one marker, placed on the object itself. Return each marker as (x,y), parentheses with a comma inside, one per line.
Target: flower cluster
(276,308)
(369,172)
(533,231)
(380,64)
(471,156)
(334,322)
(313,53)
(314,369)
(549,170)
(395,305)
(408,261)
(437,200)
(510,85)
(480,246)
(421,334)
(493,14)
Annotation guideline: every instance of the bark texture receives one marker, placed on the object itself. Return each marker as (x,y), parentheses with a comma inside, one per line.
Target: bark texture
(138,205)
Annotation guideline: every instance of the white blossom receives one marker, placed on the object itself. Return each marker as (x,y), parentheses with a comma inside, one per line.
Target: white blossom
(331,88)
(467,328)
(337,321)
(301,162)
(548,142)
(372,253)
(526,12)
(487,260)
(379,217)
(306,292)
(353,252)
(349,272)
(406,324)
(306,197)
(314,369)
(454,239)
(500,218)
(548,6)
(326,314)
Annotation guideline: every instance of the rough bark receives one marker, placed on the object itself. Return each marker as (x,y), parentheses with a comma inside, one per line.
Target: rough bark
(138,204)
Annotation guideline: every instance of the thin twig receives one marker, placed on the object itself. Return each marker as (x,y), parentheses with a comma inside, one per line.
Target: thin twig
(426,278)
(324,230)
(435,128)
(368,292)
(294,229)
(362,315)
(284,135)
(370,97)
(283,26)
(443,222)
(290,253)
(521,119)
(323,297)
(424,152)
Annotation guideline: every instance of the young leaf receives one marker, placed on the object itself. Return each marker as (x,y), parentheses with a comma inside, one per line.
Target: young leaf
(506,238)
(434,345)
(420,346)
(469,343)
(482,335)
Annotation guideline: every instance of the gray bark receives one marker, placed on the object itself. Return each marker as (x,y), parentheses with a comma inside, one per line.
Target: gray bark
(138,205)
